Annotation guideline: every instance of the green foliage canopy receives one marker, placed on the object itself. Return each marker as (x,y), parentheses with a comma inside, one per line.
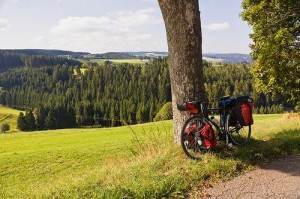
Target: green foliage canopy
(276,47)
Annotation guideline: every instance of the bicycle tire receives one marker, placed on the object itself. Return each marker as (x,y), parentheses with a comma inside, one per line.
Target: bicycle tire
(239,135)
(189,142)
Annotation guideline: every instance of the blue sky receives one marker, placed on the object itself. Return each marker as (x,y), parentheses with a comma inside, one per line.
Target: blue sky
(98,26)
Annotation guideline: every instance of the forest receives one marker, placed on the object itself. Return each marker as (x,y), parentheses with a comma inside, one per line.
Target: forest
(64,96)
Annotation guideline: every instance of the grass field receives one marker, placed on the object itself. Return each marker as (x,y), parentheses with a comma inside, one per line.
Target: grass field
(133,162)
(129,61)
(9,116)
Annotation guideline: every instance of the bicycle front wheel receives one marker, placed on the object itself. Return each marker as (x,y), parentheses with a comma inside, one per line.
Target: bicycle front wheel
(191,139)
(238,134)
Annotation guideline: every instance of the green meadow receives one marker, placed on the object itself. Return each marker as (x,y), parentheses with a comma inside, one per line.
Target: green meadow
(137,161)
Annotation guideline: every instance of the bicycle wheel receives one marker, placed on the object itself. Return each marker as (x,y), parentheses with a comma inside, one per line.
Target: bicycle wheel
(191,139)
(238,134)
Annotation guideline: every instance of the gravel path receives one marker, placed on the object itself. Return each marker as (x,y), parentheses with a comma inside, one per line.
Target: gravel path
(280,179)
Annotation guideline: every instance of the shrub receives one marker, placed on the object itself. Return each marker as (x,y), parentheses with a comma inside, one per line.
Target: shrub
(4,127)
(165,113)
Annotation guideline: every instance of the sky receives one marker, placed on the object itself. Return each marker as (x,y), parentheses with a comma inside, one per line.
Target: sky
(99,26)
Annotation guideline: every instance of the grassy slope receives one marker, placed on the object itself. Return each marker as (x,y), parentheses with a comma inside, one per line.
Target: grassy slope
(9,116)
(111,163)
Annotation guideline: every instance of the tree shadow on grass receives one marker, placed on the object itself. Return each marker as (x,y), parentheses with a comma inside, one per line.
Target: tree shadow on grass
(258,152)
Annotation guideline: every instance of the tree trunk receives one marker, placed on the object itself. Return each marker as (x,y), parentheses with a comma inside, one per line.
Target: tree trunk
(183,27)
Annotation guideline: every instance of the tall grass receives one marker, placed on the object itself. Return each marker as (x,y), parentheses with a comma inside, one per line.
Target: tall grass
(130,162)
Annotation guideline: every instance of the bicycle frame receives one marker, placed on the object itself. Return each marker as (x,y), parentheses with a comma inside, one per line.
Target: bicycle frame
(222,128)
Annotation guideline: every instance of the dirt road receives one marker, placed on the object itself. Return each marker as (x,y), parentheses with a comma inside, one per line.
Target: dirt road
(279,179)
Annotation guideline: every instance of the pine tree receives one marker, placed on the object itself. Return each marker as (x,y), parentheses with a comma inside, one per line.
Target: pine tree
(40,118)
(22,123)
(30,121)
(71,118)
(50,120)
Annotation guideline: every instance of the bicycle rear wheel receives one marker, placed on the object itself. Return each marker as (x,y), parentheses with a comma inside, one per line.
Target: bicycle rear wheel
(191,139)
(238,134)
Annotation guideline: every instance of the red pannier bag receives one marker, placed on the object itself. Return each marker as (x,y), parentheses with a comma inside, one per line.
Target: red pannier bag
(208,135)
(242,110)
(189,131)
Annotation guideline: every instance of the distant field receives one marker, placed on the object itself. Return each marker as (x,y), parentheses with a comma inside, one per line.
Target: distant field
(213,60)
(141,162)
(9,116)
(101,61)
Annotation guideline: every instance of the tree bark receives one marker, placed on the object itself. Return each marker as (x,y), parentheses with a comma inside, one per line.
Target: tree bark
(183,27)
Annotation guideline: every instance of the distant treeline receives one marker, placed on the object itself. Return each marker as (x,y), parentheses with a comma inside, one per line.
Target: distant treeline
(45,52)
(115,55)
(109,94)
(9,60)
(42,119)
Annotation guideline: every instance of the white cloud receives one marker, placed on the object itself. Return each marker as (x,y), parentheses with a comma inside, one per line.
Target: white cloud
(106,33)
(3,24)
(116,23)
(77,25)
(217,26)
(141,17)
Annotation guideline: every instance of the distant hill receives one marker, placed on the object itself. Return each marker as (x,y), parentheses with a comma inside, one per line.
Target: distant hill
(46,52)
(131,55)
(149,54)
(10,59)
(210,57)
(230,57)
(114,55)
